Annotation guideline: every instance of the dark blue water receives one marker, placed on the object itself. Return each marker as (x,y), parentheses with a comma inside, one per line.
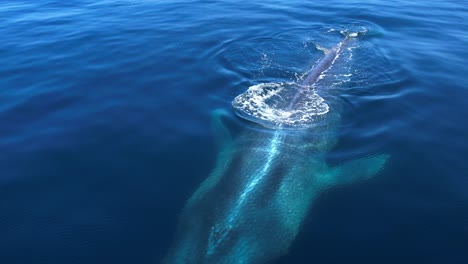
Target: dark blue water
(105,111)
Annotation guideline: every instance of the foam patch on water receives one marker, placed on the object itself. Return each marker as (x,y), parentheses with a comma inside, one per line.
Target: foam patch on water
(269,104)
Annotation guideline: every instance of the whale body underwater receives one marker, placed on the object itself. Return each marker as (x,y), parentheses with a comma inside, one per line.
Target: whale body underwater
(251,207)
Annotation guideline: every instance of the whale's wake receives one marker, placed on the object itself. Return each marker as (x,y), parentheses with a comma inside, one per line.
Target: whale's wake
(297,105)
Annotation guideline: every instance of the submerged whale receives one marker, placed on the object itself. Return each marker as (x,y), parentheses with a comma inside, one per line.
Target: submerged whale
(250,209)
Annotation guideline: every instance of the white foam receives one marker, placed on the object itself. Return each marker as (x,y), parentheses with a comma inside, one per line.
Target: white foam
(269,104)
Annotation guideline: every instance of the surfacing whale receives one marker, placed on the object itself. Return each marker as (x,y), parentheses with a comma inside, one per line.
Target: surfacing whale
(250,209)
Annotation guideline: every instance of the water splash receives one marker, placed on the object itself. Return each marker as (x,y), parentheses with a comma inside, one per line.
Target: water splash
(269,105)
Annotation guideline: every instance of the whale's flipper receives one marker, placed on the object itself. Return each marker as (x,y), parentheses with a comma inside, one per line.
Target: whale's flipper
(224,143)
(355,170)
(222,134)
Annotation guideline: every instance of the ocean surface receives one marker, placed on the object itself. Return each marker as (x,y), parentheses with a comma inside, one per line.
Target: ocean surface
(106,108)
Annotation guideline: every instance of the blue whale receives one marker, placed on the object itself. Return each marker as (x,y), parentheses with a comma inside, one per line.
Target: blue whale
(251,207)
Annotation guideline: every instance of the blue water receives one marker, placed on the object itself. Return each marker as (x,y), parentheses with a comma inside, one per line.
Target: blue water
(105,110)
